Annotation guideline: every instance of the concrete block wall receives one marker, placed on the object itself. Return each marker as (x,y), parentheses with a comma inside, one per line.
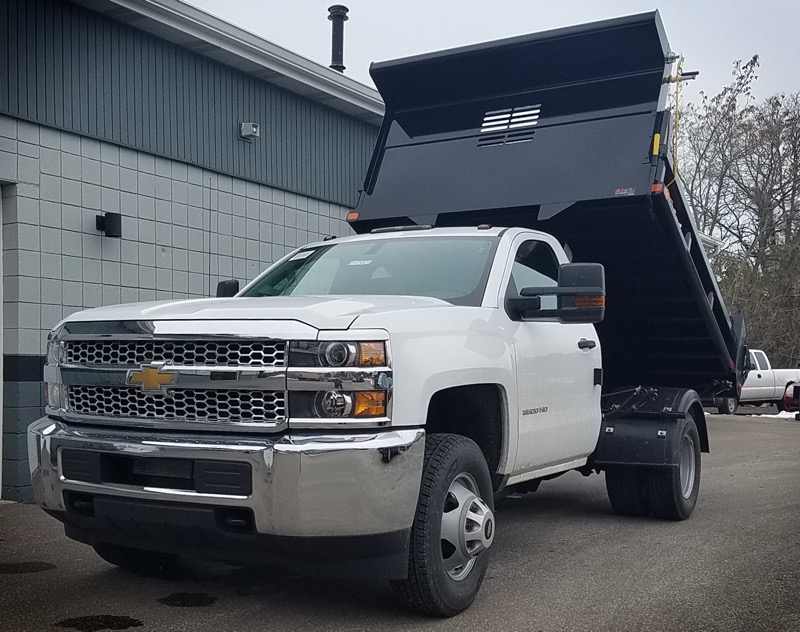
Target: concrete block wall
(183,229)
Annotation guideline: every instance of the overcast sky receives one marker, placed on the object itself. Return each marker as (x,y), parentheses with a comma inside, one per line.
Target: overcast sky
(711,34)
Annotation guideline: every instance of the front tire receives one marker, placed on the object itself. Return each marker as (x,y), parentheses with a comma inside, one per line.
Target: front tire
(453,529)
(672,493)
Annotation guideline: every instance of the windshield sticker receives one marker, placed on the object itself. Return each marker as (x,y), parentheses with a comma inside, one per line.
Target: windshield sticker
(360,262)
(302,255)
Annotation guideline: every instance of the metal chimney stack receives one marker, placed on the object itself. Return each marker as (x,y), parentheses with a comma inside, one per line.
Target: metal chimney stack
(338,15)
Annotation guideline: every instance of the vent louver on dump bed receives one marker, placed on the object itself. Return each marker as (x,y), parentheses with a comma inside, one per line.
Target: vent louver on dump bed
(509,120)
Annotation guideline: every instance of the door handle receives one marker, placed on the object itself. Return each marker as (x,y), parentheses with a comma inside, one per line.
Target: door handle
(759,376)
(586,344)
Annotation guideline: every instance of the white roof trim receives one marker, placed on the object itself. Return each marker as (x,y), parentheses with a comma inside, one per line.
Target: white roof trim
(208,35)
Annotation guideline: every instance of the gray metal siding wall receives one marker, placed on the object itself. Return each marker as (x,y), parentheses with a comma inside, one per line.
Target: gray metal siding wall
(68,67)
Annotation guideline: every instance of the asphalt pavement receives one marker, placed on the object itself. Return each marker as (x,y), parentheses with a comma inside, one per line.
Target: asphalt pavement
(561,561)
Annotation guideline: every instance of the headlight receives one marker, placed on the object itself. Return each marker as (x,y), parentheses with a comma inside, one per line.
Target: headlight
(337,354)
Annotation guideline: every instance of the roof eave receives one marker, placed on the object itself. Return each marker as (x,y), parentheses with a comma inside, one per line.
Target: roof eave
(210,36)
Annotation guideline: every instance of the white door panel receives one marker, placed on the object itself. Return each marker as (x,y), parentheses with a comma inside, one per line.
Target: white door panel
(754,386)
(558,402)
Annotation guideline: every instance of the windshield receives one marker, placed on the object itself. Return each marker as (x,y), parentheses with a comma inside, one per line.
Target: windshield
(454,269)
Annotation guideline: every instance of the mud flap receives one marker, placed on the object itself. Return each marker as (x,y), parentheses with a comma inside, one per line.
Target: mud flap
(648,436)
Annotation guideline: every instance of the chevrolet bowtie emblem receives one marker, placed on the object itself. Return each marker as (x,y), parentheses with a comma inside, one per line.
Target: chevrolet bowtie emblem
(152,377)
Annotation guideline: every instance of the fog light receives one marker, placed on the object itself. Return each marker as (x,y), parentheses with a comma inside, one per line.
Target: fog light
(370,404)
(334,404)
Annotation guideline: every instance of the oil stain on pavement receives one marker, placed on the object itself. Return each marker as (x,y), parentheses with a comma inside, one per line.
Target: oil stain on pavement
(188,600)
(98,623)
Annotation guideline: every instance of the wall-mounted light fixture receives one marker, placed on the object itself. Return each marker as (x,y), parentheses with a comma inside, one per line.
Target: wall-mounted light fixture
(110,224)
(249,131)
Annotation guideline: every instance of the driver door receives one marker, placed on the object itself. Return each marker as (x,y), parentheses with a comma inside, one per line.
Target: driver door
(558,402)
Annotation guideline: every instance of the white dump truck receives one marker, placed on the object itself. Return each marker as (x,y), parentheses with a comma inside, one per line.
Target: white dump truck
(527,296)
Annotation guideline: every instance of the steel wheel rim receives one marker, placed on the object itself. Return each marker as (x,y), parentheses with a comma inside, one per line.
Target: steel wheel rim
(467,527)
(687,466)
(731,404)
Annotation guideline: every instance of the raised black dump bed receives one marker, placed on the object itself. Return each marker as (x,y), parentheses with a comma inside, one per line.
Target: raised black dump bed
(566,132)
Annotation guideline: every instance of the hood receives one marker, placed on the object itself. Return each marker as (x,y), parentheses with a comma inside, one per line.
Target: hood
(320,312)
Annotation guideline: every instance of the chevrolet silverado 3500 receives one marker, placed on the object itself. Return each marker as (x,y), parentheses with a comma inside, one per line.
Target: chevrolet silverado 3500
(357,407)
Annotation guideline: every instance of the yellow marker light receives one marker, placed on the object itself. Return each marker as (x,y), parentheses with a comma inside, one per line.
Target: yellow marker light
(590,301)
(371,354)
(370,404)
(656,143)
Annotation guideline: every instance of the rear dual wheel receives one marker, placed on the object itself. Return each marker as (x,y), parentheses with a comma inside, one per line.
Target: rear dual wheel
(669,493)
(672,493)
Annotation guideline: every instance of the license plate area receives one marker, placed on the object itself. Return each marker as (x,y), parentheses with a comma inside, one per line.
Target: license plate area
(204,476)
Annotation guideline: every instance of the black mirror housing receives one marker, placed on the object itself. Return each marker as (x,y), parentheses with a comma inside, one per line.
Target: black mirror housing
(587,303)
(229,287)
(581,294)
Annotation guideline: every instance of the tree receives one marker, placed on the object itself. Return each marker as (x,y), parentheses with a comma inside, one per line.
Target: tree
(740,162)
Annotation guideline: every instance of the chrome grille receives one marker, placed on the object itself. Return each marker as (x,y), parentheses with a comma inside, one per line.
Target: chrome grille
(179,404)
(186,353)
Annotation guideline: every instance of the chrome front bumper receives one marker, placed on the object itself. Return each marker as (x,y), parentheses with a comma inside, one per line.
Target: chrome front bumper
(302,485)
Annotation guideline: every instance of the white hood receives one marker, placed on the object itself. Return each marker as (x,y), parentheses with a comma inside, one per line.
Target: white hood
(320,312)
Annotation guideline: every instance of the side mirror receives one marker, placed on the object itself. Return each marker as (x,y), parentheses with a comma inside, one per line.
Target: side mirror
(230,287)
(581,294)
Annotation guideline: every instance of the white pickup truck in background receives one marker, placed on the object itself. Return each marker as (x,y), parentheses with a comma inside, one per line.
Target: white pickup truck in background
(764,385)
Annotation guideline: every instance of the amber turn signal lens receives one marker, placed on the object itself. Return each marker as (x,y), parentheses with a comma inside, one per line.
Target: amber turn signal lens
(371,354)
(590,301)
(370,404)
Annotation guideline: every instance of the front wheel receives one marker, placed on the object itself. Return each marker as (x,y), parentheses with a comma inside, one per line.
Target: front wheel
(453,529)
(672,493)
(727,405)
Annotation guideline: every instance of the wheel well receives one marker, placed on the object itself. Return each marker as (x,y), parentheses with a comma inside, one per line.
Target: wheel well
(474,411)
(696,411)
